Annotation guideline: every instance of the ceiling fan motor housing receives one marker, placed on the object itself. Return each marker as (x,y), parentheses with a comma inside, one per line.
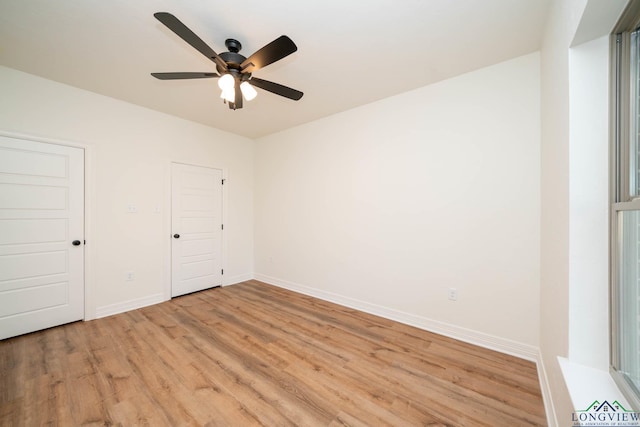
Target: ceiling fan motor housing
(233,60)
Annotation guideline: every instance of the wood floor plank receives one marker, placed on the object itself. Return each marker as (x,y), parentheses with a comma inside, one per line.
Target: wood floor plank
(257,355)
(254,400)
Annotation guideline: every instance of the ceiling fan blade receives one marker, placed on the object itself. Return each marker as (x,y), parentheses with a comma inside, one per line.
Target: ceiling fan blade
(181,30)
(276,88)
(274,51)
(238,100)
(179,76)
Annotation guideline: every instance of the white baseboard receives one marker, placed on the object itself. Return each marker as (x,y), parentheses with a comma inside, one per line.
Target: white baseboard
(513,348)
(232,280)
(121,307)
(545,388)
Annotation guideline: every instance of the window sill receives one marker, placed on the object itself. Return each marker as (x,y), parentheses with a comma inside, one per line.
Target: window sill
(587,384)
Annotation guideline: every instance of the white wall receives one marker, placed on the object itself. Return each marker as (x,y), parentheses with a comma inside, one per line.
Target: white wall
(131,149)
(386,206)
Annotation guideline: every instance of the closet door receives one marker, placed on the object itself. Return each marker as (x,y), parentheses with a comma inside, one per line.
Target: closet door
(41,235)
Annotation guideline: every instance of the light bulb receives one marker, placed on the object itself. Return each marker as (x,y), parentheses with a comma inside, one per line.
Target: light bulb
(248,91)
(226,82)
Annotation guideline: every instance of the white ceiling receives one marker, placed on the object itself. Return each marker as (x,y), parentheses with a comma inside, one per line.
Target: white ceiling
(349,52)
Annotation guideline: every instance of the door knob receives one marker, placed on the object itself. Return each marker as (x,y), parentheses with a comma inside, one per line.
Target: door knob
(176,236)
(76,243)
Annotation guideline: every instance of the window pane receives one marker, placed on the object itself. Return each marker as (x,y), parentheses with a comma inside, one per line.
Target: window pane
(634,152)
(628,301)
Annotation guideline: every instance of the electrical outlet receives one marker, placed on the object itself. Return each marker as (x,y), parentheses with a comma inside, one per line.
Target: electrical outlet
(131,275)
(131,208)
(453,294)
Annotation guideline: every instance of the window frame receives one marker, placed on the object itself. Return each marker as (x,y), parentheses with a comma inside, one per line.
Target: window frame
(621,198)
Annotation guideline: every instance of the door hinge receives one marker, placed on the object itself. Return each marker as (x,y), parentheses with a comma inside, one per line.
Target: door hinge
(222,226)
(222,271)
(223,181)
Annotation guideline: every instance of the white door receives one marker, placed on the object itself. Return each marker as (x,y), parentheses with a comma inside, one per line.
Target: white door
(196,223)
(41,215)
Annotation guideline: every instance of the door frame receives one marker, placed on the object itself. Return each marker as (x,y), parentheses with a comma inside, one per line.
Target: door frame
(167,221)
(89,184)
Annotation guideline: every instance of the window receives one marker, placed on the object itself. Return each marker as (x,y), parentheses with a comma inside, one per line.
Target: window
(625,212)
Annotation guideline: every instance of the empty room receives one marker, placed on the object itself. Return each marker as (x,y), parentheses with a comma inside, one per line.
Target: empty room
(319,213)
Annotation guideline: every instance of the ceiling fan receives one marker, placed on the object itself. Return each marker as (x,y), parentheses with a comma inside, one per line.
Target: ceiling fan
(233,69)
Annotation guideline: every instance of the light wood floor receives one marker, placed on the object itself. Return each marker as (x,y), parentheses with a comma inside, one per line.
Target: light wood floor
(254,354)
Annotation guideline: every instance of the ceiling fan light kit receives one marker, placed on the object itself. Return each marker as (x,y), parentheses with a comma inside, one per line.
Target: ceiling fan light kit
(248,91)
(233,69)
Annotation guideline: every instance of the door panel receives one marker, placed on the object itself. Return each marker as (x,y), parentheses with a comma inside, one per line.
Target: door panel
(41,213)
(196,216)
(192,248)
(35,298)
(34,163)
(27,265)
(27,231)
(34,196)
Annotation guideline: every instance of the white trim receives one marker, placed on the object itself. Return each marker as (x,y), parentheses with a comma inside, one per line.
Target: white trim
(121,307)
(232,280)
(166,227)
(89,185)
(545,388)
(586,383)
(513,348)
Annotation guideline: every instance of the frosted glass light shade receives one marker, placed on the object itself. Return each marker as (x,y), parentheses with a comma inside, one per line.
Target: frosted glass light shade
(229,94)
(226,82)
(248,91)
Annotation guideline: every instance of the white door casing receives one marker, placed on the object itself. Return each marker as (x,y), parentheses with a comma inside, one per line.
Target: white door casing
(196,217)
(41,214)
